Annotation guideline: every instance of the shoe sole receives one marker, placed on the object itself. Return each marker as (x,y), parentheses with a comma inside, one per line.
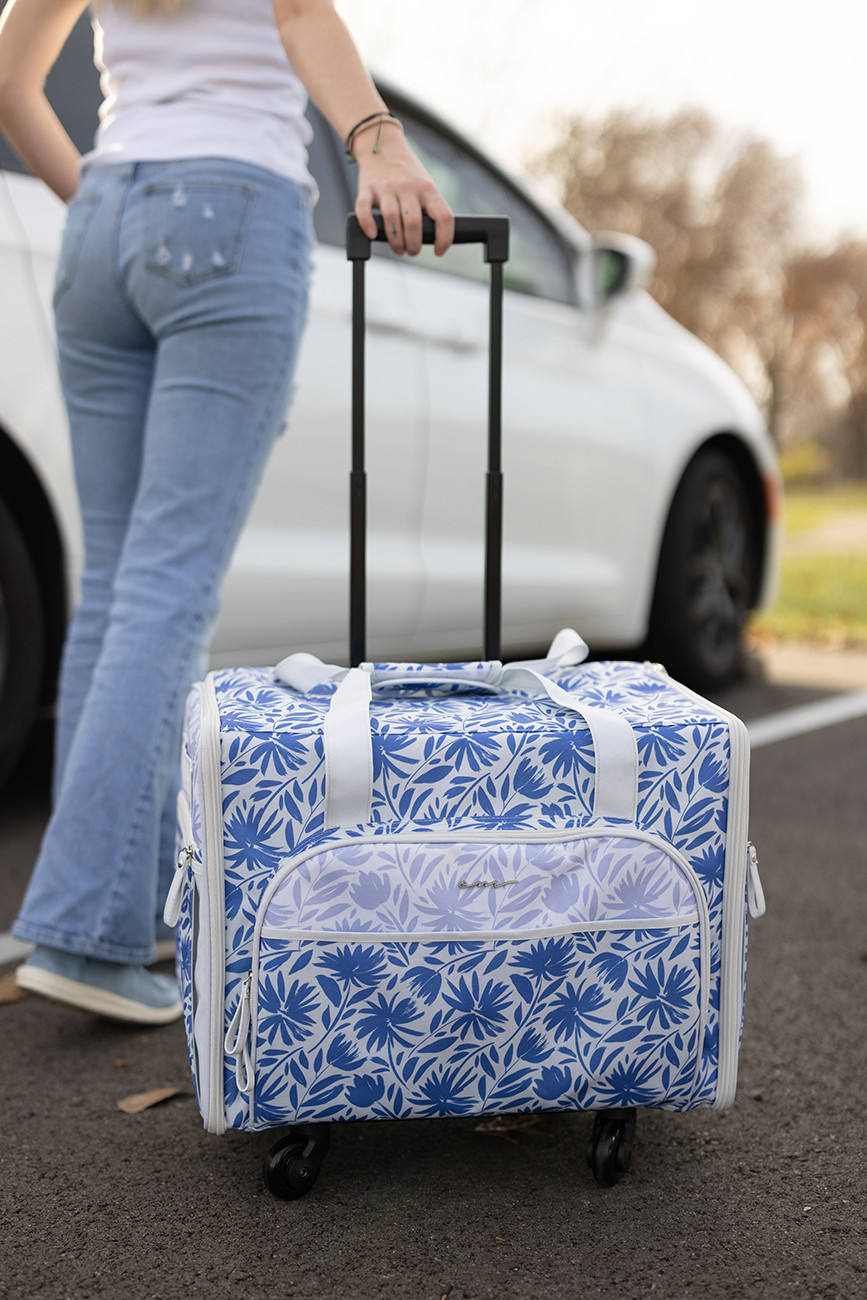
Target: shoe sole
(71,993)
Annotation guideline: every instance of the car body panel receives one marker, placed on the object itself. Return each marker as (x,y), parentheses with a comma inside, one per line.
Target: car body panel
(32,413)
(604,406)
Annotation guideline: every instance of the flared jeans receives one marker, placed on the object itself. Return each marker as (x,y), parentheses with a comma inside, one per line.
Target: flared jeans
(180,301)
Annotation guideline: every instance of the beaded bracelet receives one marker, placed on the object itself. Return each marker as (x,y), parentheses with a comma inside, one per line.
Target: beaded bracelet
(377,119)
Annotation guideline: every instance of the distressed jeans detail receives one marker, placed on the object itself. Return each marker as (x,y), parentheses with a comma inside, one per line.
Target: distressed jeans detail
(180,300)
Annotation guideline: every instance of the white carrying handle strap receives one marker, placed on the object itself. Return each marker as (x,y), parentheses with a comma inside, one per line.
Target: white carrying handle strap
(348,743)
(304,672)
(349,752)
(614,744)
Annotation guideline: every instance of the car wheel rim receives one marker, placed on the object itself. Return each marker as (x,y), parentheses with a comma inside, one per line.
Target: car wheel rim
(719,587)
(4,639)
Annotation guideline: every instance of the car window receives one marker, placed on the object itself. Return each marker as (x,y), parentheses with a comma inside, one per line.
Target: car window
(327,163)
(539,262)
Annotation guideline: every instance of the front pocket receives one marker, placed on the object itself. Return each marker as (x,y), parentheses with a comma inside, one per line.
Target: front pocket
(78,218)
(195,231)
(418,977)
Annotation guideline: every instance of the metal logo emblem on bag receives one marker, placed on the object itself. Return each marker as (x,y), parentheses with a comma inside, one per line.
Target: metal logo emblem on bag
(486,884)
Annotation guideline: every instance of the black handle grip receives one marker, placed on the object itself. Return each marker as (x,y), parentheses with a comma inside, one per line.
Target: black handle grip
(493,232)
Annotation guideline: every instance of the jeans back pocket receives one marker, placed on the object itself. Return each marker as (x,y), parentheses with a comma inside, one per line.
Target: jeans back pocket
(194,230)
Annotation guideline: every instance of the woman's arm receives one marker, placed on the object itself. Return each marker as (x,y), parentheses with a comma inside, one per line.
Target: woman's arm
(32,34)
(392,179)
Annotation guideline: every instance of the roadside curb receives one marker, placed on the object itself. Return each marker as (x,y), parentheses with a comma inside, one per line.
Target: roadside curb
(801,664)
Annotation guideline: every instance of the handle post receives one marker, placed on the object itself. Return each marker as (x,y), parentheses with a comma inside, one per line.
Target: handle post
(493,233)
(357,481)
(494,485)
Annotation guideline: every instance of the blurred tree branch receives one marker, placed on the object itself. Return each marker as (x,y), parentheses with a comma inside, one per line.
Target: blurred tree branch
(725,215)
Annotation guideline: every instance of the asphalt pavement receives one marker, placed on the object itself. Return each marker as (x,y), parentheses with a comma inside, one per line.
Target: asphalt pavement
(765,1200)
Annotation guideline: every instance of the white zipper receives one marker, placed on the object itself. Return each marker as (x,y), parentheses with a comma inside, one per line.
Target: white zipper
(237,1042)
(172,908)
(212,800)
(186,859)
(755,893)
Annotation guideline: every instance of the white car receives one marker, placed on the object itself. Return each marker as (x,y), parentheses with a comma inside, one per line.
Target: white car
(640,482)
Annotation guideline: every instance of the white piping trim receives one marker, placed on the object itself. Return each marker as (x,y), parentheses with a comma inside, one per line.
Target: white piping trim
(212,798)
(374,937)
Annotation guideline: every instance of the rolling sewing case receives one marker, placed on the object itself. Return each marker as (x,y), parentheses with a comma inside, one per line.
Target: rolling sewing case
(410,890)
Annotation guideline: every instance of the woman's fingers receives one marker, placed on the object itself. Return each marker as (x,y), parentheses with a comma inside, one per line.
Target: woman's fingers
(364,213)
(402,191)
(403,224)
(444,220)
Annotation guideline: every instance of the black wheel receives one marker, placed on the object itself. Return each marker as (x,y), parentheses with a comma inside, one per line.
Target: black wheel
(609,1151)
(22,643)
(292,1165)
(707,577)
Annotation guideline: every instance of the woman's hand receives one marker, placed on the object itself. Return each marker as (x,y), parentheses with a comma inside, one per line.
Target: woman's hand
(392,179)
(32,34)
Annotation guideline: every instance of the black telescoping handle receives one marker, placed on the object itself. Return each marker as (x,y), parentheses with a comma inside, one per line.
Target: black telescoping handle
(493,232)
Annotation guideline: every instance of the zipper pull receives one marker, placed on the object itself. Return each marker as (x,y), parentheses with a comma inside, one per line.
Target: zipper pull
(172,909)
(755,893)
(237,1043)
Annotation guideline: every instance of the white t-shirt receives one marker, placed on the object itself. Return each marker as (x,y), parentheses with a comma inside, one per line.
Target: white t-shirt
(210,82)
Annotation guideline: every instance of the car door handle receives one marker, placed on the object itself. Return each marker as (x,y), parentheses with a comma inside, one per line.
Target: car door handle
(393,323)
(457,340)
(405,325)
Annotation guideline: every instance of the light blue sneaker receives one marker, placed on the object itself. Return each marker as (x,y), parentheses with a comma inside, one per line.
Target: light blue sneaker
(106,988)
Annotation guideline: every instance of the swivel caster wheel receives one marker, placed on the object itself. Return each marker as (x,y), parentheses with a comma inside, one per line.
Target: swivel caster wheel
(609,1150)
(292,1165)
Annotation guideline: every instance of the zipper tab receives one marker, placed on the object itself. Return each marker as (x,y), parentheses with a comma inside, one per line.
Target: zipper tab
(755,893)
(172,909)
(237,1042)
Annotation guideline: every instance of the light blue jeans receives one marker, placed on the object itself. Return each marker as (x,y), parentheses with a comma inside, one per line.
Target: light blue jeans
(180,301)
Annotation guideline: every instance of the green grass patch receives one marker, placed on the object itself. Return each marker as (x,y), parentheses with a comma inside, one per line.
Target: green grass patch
(823,598)
(807,509)
(823,581)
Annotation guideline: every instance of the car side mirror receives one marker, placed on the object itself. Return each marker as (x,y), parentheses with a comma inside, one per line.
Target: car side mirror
(613,267)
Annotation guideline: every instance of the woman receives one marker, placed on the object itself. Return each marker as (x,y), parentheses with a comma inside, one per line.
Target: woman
(180,300)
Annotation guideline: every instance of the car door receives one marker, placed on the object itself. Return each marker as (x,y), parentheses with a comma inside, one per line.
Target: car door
(32,414)
(288,585)
(577,456)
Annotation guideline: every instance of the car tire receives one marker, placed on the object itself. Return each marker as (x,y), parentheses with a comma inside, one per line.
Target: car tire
(22,643)
(707,575)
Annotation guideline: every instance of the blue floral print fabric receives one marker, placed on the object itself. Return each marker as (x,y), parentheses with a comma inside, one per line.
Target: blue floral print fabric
(383,988)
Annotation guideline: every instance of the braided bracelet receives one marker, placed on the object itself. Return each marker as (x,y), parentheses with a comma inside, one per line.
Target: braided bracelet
(375,119)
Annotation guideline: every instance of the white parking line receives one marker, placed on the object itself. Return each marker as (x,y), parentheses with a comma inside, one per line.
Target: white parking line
(807,717)
(763,731)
